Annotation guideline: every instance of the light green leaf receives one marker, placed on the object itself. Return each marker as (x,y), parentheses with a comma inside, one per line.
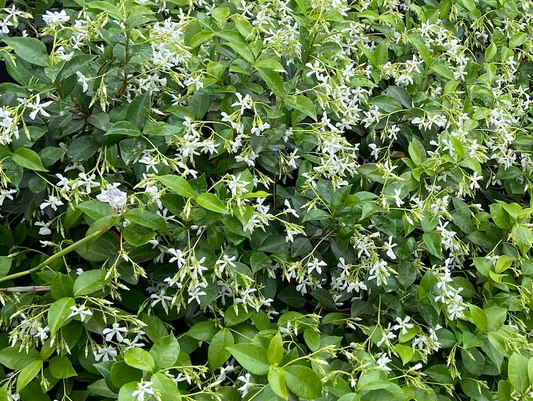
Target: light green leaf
(59,312)
(166,387)
(275,349)
(165,352)
(27,158)
(276,379)
(27,374)
(479,317)
(89,282)
(251,357)
(303,382)
(61,367)
(518,372)
(177,184)
(217,353)
(147,219)
(211,202)
(16,359)
(517,39)
(140,359)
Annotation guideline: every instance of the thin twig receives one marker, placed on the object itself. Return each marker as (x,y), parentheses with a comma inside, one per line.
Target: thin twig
(31,288)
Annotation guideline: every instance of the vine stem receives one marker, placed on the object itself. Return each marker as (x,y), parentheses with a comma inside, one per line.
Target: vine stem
(58,255)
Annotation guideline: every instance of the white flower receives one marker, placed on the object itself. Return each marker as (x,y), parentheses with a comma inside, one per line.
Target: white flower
(160,297)
(142,389)
(53,202)
(404,324)
(105,353)
(315,265)
(388,247)
(247,385)
(225,261)
(6,193)
(386,337)
(42,333)
(383,361)
(44,230)
(55,18)
(115,197)
(81,310)
(397,199)
(82,79)
(39,107)
(115,330)
(177,256)
(474,180)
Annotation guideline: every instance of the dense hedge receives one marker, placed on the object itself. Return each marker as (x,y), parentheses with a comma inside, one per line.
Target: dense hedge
(266,200)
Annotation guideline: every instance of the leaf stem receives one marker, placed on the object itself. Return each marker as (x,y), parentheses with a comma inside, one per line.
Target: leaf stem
(57,255)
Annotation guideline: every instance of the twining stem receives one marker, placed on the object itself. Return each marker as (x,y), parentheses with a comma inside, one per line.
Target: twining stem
(58,255)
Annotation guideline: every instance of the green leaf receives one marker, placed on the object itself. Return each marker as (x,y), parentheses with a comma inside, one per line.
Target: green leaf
(443,71)
(302,103)
(29,49)
(125,393)
(272,79)
(312,339)
(276,379)
(61,286)
(491,52)
(177,184)
(140,359)
(147,219)
(241,48)
(27,158)
(95,209)
(433,242)
(517,39)
(422,49)
(251,357)
(166,387)
(89,282)
(479,317)
(203,331)
(275,349)
(303,382)
(27,374)
(165,352)
(122,374)
(123,128)
(5,266)
(106,7)
(518,372)
(16,359)
(530,370)
(259,261)
(161,128)
(388,104)
(217,353)
(59,312)
(139,110)
(211,202)
(61,367)
(232,317)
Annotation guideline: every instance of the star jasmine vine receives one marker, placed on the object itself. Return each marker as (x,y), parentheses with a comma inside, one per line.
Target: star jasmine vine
(261,200)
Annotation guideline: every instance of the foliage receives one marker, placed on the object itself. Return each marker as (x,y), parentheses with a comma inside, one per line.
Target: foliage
(266,200)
